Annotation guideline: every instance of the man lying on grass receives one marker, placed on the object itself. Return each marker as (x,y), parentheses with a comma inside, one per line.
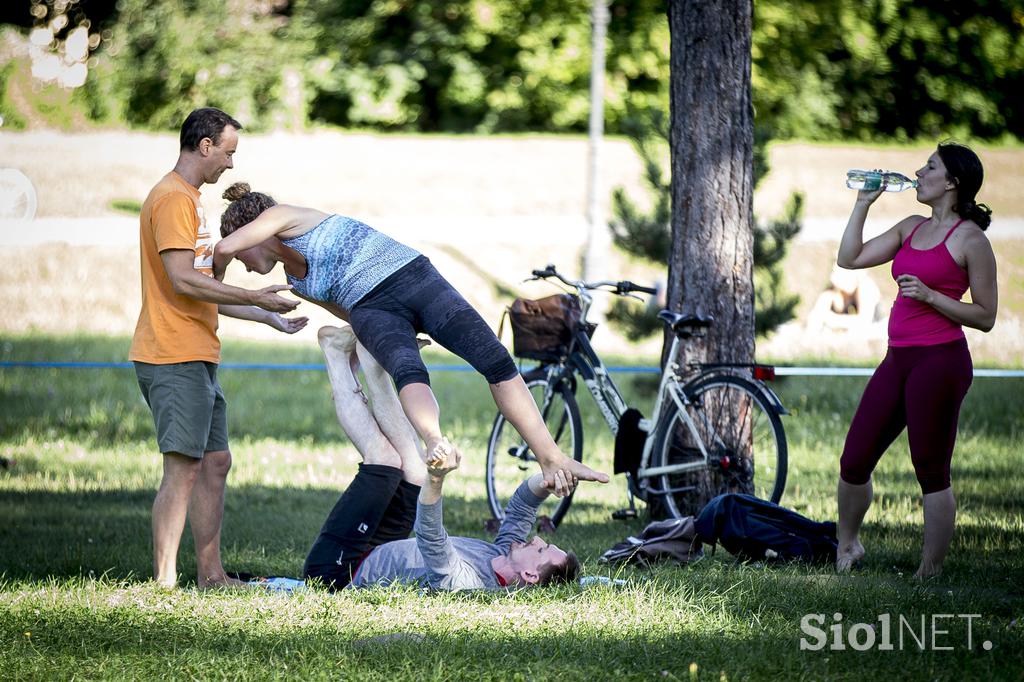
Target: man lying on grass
(364,541)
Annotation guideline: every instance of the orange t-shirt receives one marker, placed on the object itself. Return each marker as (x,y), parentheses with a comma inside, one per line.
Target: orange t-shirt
(171,327)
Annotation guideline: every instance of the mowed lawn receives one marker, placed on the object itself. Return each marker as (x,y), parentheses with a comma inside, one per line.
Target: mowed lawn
(75,549)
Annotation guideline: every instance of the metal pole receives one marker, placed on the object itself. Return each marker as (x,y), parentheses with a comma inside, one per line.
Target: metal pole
(598,243)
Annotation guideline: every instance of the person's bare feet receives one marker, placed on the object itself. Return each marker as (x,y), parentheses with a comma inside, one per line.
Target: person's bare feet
(927,570)
(848,555)
(222,582)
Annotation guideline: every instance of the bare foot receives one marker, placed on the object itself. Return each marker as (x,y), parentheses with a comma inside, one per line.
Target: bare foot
(848,555)
(222,582)
(925,571)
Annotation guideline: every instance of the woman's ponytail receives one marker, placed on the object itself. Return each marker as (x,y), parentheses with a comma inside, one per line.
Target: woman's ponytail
(980,214)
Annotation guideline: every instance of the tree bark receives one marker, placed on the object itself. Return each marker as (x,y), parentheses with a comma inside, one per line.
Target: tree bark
(712,149)
(711,260)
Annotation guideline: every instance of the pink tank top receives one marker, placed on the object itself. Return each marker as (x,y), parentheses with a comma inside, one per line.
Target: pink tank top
(915,323)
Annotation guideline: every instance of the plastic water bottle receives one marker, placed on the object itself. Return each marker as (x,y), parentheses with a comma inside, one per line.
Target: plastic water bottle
(890,181)
(592,580)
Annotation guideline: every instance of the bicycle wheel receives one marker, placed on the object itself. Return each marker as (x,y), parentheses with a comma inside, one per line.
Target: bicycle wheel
(744,438)
(17,195)
(509,460)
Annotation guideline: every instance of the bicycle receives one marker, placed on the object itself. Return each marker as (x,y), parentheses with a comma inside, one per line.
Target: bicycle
(716,427)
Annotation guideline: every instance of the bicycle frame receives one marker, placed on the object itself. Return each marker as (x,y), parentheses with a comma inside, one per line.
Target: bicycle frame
(675,385)
(583,361)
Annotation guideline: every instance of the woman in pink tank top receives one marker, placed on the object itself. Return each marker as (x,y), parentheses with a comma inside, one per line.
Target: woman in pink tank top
(927,370)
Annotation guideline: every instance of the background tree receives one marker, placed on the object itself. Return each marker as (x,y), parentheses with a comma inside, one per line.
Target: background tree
(647,232)
(712,157)
(822,69)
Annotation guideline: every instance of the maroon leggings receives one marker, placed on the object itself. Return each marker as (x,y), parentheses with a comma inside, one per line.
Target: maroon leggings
(920,388)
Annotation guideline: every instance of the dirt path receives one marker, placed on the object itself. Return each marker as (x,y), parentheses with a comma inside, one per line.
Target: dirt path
(486,210)
(78,175)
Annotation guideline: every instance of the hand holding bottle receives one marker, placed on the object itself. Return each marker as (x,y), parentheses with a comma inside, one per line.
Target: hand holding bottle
(889,181)
(867,194)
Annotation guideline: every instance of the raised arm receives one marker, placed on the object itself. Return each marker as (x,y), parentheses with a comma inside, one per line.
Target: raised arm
(521,511)
(854,252)
(277,221)
(187,281)
(447,570)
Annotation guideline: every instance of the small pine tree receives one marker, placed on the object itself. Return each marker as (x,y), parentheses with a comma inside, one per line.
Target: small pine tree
(647,233)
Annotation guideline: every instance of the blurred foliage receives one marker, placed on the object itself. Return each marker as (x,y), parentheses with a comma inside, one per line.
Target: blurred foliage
(889,69)
(646,232)
(167,58)
(822,69)
(479,65)
(773,305)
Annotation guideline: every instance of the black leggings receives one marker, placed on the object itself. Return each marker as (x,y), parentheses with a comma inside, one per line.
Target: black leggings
(377,507)
(919,388)
(415,299)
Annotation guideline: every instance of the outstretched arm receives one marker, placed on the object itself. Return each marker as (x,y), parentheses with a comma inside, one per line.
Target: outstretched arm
(521,511)
(288,325)
(447,570)
(187,281)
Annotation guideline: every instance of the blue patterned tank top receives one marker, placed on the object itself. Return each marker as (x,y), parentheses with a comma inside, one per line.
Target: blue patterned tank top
(345,260)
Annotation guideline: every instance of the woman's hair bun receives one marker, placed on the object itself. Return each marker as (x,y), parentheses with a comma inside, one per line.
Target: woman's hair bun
(236,191)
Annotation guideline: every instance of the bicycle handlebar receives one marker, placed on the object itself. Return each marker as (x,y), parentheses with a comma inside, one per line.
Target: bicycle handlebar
(620,288)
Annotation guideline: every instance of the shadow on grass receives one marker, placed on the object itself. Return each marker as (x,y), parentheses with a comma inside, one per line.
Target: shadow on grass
(755,635)
(267,531)
(106,408)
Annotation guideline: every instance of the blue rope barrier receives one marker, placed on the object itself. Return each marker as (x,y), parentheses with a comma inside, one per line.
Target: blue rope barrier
(780,371)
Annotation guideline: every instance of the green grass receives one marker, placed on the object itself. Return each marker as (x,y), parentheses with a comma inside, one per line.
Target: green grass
(129,206)
(75,554)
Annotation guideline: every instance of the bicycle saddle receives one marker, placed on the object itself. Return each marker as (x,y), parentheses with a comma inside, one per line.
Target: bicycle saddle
(684,324)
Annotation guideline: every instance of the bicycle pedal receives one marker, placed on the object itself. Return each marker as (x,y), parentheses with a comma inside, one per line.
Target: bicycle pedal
(624,514)
(491,526)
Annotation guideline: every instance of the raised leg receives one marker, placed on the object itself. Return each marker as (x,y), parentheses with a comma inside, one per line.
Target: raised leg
(517,405)
(420,407)
(390,416)
(339,347)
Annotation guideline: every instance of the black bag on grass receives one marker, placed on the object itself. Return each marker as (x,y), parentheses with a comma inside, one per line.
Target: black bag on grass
(671,540)
(754,529)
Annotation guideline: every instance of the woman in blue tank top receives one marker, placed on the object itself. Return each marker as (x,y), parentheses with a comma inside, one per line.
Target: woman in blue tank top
(388,292)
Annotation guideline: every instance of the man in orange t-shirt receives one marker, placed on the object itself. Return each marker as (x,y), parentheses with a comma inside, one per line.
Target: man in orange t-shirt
(176,350)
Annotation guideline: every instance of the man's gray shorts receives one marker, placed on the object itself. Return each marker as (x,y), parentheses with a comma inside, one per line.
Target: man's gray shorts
(188,406)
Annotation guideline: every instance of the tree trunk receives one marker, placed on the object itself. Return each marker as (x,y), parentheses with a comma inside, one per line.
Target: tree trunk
(711,141)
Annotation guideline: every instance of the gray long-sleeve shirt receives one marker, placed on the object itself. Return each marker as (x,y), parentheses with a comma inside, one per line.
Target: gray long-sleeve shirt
(448,563)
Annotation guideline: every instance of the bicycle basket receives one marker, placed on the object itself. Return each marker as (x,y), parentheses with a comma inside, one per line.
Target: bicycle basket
(542,329)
